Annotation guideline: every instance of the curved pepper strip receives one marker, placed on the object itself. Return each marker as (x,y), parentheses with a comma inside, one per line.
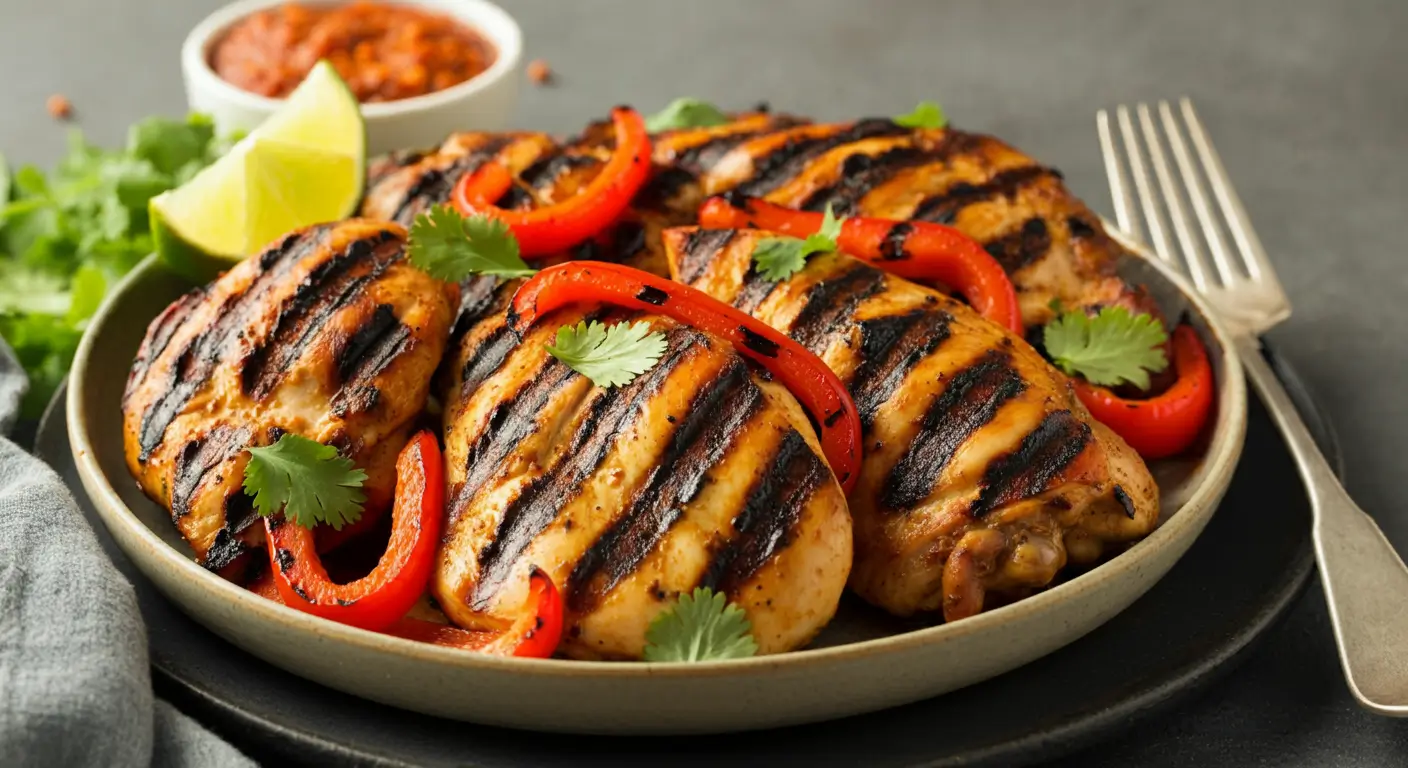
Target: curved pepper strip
(378,599)
(916,250)
(1168,423)
(547,230)
(802,372)
(536,636)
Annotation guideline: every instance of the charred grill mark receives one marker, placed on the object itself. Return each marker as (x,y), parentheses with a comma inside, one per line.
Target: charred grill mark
(239,510)
(831,303)
(755,290)
(758,342)
(609,414)
(161,331)
(698,251)
(334,284)
(1080,229)
(701,158)
(369,351)
(943,208)
(663,187)
(197,458)
(889,347)
(435,184)
(770,514)
(478,294)
(195,363)
(1040,459)
(486,358)
(717,415)
(1025,246)
(541,176)
(224,550)
(892,247)
(652,295)
(509,422)
(970,401)
(861,173)
(625,239)
(772,170)
(1126,503)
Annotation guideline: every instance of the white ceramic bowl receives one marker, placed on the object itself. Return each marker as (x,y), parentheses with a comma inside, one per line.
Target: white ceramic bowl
(484,102)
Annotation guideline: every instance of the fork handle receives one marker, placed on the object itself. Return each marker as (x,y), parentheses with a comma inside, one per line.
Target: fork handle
(1366,582)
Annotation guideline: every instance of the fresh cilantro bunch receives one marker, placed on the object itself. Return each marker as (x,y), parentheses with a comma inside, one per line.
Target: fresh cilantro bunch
(778,258)
(1111,348)
(927,114)
(309,482)
(65,237)
(703,626)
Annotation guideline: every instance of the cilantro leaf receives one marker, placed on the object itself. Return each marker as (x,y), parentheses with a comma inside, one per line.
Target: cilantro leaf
(927,114)
(1111,348)
(170,144)
(778,258)
(700,627)
(450,247)
(309,481)
(685,113)
(609,355)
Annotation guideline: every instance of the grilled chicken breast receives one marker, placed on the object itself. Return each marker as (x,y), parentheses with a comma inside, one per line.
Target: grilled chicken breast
(328,333)
(698,473)
(983,475)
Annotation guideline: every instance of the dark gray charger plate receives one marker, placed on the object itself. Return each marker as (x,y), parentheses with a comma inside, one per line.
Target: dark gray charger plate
(1194,625)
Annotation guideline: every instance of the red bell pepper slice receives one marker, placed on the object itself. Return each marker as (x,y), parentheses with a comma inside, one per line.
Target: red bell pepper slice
(802,372)
(1168,423)
(544,231)
(378,599)
(917,250)
(535,636)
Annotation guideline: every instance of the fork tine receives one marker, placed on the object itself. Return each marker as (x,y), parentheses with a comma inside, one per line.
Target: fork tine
(1212,234)
(1119,187)
(1248,245)
(1192,251)
(1157,236)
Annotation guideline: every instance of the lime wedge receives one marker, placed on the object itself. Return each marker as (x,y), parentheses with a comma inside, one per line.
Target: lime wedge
(303,166)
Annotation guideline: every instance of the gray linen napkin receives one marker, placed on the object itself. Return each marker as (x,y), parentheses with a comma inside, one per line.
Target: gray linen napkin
(75,688)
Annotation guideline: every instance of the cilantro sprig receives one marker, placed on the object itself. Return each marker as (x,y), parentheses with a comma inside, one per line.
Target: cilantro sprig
(66,236)
(449,246)
(310,482)
(703,626)
(778,258)
(1111,348)
(927,114)
(685,113)
(609,355)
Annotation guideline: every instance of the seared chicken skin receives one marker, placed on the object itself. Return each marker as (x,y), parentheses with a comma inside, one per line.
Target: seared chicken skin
(983,475)
(328,333)
(698,473)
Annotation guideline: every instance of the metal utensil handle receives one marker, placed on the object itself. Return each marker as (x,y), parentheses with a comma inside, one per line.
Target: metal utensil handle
(1366,583)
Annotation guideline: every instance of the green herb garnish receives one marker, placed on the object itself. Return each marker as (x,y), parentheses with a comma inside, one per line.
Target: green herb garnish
(310,482)
(609,355)
(778,258)
(685,113)
(1108,349)
(700,627)
(449,246)
(928,114)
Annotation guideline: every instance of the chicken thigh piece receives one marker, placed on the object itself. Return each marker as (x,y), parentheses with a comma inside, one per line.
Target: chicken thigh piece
(983,474)
(700,472)
(329,333)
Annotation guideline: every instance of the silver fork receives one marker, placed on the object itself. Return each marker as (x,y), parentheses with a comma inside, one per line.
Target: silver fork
(1366,582)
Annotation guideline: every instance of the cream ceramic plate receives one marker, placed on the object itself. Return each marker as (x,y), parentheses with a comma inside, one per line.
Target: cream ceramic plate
(863,662)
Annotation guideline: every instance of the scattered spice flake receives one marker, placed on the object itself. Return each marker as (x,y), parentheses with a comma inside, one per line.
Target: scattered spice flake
(60,108)
(540,72)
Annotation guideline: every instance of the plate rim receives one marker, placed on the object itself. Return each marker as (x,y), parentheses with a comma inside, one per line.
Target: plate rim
(1221,464)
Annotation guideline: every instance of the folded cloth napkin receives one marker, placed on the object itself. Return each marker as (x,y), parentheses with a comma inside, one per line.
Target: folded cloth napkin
(75,688)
